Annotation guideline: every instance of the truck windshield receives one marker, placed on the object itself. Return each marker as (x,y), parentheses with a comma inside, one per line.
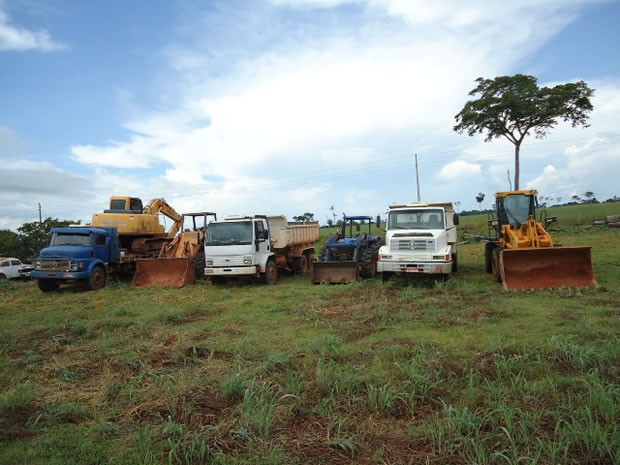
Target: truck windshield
(72,239)
(233,233)
(416,219)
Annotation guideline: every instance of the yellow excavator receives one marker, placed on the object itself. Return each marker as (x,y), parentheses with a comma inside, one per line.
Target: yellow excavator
(522,255)
(139,229)
(180,261)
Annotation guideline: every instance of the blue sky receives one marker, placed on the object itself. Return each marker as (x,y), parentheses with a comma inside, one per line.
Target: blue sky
(289,106)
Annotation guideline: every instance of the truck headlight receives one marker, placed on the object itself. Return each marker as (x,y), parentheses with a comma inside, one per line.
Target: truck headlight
(442,257)
(209,262)
(247,260)
(385,257)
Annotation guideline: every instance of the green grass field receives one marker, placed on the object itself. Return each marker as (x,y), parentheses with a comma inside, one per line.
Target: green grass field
(370,373)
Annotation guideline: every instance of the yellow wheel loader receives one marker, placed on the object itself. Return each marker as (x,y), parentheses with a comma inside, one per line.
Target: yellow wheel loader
(180,261)
(522,255)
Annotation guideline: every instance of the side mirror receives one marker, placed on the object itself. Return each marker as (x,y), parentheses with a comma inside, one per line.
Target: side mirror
(455,219)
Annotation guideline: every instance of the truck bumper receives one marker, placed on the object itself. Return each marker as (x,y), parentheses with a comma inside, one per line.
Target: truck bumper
(233,271)
(414,267)
(40,274)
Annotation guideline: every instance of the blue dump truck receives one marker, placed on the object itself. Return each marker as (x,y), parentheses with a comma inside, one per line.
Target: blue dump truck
(84,254)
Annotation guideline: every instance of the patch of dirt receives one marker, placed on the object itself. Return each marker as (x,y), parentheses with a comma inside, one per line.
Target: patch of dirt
(14,422)
(195,409)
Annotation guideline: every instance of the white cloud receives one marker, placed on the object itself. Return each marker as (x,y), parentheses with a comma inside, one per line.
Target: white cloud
(458,170)
(301,121)
(15,38)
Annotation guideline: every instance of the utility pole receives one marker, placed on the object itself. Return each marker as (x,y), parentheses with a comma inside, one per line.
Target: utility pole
(40,218)
(417,176)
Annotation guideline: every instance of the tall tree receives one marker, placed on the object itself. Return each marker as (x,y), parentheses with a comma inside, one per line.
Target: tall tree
(514,106)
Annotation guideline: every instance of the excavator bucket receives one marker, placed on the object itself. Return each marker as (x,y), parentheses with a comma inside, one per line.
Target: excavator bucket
(335,272)
(175,272)
(544,268)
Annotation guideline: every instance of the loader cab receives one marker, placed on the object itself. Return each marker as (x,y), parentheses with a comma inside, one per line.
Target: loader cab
(514,208)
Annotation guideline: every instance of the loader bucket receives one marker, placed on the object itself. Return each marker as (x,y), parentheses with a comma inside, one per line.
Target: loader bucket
(336,272)
(175,272)
(546,268)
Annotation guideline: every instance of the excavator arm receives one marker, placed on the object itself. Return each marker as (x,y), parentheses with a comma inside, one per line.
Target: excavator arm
(157,206)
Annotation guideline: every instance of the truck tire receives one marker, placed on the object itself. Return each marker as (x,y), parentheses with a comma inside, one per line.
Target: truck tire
(198,263)
(368,263)
(2,276)
(270,276)
(310,260)
(97,279)
(47,285)
(300,264)
(455,263)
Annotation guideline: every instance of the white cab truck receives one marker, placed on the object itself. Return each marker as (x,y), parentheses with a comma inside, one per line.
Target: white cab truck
(257,246)
(420,239)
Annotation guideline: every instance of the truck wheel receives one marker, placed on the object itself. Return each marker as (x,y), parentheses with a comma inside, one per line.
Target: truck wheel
(198,263)
(455,263)
(488,256)
(300,264)
(270,276)
(97,279)
(368,263)
(47,285)
(2,276)
(310,259)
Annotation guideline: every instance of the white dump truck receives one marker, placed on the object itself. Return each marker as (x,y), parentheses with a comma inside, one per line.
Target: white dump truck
(257,246)
(420,238)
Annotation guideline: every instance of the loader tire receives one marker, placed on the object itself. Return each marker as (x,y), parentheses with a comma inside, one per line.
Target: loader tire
(488,256)
(198,263)
(368,264)
(495,264)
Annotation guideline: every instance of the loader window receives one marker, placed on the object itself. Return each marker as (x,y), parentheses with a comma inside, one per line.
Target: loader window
(514,209)
(233,233)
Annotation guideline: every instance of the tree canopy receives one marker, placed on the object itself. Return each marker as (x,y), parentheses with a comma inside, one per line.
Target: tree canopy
(36,235)
(514,106)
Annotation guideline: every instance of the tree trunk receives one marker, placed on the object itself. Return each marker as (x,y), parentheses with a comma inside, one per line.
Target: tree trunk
(517,148)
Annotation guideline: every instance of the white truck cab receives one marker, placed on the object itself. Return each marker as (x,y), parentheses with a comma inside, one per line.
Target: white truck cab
(420,238)
(258,246)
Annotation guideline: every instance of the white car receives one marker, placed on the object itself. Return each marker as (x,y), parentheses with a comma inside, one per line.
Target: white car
(13,268)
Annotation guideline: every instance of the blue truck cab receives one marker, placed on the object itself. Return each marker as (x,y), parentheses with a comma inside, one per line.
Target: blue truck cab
(77,254)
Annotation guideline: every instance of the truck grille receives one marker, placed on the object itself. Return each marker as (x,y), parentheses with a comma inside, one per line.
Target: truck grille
(227,261)
(412,244)
(55,265)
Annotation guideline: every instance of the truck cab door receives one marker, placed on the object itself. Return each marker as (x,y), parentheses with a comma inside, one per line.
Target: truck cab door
(102,247)
(261,240)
